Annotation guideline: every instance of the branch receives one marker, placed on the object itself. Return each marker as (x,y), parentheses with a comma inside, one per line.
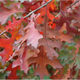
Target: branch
(2,32)
(67,8)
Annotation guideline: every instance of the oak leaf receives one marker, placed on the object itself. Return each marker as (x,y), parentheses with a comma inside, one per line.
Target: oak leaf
(24,54)
(5,12)
(45,10)
(22,61)
(47,40)
(7,43)
(65,37)
(65,4)
(32,35)
(50,45)
(68,20)
(15,24)
(42,60)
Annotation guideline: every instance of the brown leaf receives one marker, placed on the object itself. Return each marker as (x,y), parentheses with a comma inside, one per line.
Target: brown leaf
(65,37)
(42,61)
(50,45)
(47,40)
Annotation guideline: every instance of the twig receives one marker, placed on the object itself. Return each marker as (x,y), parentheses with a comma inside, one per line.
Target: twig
(4,35)
(67,8)
(3,32)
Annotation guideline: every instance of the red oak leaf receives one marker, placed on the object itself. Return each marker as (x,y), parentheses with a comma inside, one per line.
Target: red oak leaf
(32,35)
(50,16)
(24,54)
(47,40)
(42,60)
(22,62)
(45,10)
(7,43)
(13,25)
(65,37)
(5,13)
(64,4)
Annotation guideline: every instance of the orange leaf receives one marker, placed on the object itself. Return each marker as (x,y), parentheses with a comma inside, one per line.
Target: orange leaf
(7,43)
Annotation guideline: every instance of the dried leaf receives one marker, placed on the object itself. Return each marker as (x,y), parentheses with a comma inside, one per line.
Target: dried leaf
(42,60)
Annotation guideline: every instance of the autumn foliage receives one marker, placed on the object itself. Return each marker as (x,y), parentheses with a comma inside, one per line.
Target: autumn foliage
(40,43)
